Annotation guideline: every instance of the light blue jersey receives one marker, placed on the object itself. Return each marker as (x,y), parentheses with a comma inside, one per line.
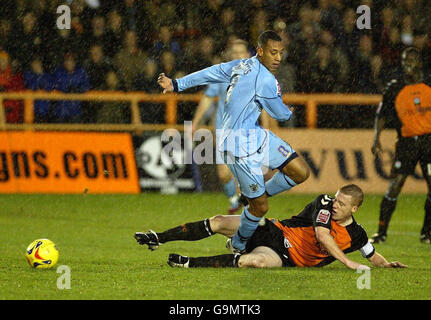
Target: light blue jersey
(251,88)
(218,90)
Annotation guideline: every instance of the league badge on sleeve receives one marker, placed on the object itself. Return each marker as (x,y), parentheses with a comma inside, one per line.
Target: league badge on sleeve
(278,88)
(323,216)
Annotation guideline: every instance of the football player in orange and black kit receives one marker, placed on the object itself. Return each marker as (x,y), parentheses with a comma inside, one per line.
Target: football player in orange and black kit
(406,105)
(324,231)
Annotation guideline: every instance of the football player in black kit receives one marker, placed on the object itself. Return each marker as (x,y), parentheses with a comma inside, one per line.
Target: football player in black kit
(323,232)
(406,105)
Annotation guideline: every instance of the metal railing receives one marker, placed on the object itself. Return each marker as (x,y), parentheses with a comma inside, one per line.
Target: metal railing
(310,101)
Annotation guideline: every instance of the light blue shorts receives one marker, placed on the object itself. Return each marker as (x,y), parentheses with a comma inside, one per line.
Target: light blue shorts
(275,153)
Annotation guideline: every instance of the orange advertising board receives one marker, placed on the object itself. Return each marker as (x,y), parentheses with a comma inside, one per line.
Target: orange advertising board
(339,157)
(67,162)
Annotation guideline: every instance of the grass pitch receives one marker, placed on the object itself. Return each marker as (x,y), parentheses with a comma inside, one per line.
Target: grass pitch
(94,234)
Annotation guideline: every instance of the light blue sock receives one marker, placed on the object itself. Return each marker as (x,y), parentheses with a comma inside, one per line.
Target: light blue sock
(230,188)
(247,227)
(279,183)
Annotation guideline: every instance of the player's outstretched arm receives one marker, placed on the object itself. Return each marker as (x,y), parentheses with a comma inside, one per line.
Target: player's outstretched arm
(379,261)
(324,237)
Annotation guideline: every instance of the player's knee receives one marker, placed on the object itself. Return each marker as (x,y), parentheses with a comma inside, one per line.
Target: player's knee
(258,261)
(217,223)
(258,207)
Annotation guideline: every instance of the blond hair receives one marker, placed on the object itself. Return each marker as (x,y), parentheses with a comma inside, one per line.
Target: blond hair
(355,192)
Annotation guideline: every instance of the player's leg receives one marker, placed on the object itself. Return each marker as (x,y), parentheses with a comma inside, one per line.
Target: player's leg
(229,187)
(248,172)
(260,257)
(387,207)
(192,231)
(405,161)
(293,169)
(426,170)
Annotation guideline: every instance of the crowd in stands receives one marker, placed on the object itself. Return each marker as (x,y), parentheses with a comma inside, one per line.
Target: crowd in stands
(122,45)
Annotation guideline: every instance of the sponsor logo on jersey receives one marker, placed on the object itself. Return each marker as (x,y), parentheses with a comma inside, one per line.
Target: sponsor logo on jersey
(323,216)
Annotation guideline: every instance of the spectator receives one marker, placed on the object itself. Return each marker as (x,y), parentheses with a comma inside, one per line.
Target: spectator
(10,81)
(64,41)
(113,112)
(306,47)
(7,42)
(114,34)
(361,81)
(97,33)
(70,78)
(322,73)
(130,60)
(165,42)
(29,38)
(305,18)
(97,65)
(330,16)
(339,57)
(37,78)
(167,63)
(201,53)
(150,112)
(146,81)
(387,17)
(407,30)
(391,50)
(259,24)
(286,73)
(348,38)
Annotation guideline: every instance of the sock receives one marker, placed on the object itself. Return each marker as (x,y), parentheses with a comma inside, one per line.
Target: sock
(221,261)
(247,227)
(387,207)
(230,188)
(189,232)
(279,183)
(427,220)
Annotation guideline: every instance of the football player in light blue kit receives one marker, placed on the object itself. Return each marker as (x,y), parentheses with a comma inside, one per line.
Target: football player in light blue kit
(245,145)
(238,49)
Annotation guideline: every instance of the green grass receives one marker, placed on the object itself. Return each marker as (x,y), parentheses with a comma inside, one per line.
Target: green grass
(94,234)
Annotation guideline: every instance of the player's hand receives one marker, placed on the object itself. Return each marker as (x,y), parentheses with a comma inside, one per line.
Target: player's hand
(376,148)
(395,264)
(165,83)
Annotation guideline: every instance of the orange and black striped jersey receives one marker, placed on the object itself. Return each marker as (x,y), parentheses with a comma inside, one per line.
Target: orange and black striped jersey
(304,249)
(407,107)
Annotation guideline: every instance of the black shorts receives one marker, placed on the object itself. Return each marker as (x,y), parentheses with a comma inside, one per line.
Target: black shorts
(270,236)
(410,151)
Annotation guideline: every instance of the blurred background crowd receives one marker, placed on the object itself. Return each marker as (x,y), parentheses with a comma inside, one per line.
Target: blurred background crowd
(121,45)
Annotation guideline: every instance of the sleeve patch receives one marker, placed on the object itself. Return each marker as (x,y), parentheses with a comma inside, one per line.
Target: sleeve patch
(367,250)
(323,216)
(278,88)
